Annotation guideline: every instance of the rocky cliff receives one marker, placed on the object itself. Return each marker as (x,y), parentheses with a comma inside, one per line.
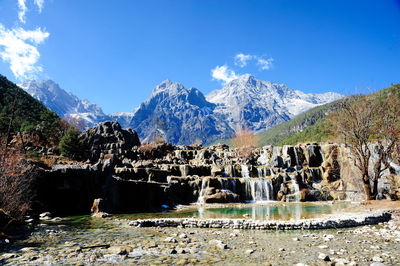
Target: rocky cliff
(128,177)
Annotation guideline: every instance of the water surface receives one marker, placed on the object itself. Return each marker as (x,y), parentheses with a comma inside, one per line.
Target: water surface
(260,211)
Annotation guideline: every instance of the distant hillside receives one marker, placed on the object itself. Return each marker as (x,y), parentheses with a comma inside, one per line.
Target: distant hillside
(298,128)
(29,115)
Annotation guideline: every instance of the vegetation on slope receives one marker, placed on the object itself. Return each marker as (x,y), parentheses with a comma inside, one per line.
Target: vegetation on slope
(286,133)
(20,112)
(310,126)
(323,129)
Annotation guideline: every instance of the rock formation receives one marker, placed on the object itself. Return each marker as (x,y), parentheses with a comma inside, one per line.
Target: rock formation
(130,177)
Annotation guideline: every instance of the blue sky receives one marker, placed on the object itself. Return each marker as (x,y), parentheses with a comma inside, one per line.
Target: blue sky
(113,52)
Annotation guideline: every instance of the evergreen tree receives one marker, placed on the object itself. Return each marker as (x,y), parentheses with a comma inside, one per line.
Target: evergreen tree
(70,145)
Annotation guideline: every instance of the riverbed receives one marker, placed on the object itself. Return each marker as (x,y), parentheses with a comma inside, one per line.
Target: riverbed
(88,240)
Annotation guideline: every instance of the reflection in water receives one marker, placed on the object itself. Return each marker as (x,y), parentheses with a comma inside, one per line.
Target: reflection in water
(264,211)
(268,211)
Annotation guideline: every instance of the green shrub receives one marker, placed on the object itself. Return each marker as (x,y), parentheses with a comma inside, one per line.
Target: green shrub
(69,145)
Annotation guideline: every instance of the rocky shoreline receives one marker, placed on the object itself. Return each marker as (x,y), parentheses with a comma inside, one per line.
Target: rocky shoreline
(342,220)
(112,241)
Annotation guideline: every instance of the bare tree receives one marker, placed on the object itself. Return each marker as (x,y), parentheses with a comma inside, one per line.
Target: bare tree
(360,121)
(355,123)
(245,141)
(387,133)
(15,183)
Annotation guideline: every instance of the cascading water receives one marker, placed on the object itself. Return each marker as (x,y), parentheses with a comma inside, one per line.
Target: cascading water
(226,172)
(245,171)
(296,189)
(259,170)
(257,190)
(296,157)
(204,184)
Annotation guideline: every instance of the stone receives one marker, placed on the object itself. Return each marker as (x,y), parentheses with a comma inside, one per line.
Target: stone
(183,235)
(328,237)
(9,255)
(222,246)
(377,259)
(323,257)
(323,246)
(45,215)
(249,251)
(117,250)
(170,240)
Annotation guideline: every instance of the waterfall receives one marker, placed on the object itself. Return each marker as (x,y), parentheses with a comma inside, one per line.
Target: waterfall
(225,173)
(295,156)
(259,170)
(323,154)
(245,171)
(233,183)
(259,190)
(296,189)
(204,183)
(272,171)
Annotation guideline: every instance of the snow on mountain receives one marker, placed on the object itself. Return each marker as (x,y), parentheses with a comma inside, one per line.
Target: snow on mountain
(262,104)
(67,105)
(123,118)
(185,116)
(178,115)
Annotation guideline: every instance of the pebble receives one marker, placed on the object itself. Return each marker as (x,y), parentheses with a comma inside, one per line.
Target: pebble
(377,259)
(183,235)
(296,239)
(323,246)
(250,251)
(323,257)
(170,240)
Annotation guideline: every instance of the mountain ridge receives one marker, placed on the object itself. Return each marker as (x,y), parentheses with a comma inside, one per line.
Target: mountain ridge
(184,116)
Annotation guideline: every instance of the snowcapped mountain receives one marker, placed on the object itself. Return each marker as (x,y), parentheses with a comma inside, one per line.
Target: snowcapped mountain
(262,104)
(178,115)
(67,105)
(185,116)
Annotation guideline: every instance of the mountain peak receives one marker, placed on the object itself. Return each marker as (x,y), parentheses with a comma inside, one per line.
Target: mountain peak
(167,86)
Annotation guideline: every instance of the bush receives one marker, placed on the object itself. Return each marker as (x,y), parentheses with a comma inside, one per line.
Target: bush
(16,184)
(70,145)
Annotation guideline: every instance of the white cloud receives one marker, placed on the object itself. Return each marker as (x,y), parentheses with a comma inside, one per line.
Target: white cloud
(223,73)
(22,10)
(18,47)
(241,59)
(39,4)
(265,64)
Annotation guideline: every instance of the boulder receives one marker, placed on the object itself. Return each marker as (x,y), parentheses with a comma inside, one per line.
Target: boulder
(315,157)
(213,195)
(108,138)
